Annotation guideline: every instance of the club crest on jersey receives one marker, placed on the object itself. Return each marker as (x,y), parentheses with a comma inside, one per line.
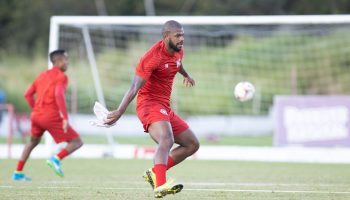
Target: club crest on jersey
(178,63)
(163,111)
(166,66)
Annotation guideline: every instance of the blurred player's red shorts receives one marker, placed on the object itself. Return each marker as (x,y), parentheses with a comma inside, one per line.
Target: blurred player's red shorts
(157,112)
(53,124)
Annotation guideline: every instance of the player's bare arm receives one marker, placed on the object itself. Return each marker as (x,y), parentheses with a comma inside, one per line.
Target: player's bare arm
(188,80)
(114,116)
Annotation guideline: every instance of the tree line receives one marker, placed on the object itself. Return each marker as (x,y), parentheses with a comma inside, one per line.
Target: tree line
(24,24)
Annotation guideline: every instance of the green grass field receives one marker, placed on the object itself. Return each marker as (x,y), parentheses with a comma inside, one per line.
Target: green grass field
(223,180)
(264,140)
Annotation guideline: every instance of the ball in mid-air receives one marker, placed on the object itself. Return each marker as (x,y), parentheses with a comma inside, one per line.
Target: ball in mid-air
(244,91)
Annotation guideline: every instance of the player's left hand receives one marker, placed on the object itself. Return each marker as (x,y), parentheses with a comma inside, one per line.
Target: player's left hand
(189,81)
(113,117)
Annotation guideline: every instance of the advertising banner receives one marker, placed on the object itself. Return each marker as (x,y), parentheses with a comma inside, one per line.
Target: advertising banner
(312,120)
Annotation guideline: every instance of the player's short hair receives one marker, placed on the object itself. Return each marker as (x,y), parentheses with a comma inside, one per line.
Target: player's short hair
(55,54)
(170,26)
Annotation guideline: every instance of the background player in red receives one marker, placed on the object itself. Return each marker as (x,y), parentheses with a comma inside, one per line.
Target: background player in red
(46,97)
(152,83)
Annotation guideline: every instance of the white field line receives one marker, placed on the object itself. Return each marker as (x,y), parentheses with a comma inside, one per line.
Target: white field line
(273,191)
(203,189)
(265,154)
(267,184)
(260,184)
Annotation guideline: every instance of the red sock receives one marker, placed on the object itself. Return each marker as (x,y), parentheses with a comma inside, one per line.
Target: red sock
(171,163)
(63,153)
(20,165)
(160,171)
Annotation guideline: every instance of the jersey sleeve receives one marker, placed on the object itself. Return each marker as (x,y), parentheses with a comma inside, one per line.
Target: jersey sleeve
(29,95)
(148,63)
(60,96)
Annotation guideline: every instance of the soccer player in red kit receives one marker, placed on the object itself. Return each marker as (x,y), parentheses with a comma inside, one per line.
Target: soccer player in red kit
(46,97)
(153,83)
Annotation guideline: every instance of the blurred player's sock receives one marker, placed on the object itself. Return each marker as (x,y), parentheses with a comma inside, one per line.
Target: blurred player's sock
(55,165)
(171,163)
(20,176)
(150,177)
(20,165)
(167,188)
(160,172)
(63,153)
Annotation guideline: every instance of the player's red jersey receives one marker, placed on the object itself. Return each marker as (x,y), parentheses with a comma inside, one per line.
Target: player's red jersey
(47,99)
(158,68)
(49,88)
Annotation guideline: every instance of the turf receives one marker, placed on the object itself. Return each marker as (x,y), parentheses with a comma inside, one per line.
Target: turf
(262,140)
(223,180)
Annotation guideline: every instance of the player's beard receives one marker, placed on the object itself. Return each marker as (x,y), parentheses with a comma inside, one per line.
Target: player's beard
(173,46)
(64,67)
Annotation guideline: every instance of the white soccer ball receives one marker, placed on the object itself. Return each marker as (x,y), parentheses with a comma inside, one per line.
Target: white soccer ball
(244,91)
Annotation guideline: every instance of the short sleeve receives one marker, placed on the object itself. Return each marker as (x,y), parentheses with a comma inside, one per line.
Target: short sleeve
(148,63)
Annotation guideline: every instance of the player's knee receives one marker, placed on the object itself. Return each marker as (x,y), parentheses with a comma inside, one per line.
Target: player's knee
(78,143)
(34,141)
(195,145)
(167,142)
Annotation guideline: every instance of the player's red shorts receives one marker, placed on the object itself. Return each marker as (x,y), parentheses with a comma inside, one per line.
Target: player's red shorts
(157,112)
(53,125)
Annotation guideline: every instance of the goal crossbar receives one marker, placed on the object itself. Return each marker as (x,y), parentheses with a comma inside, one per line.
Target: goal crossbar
(56,21)
(203,20)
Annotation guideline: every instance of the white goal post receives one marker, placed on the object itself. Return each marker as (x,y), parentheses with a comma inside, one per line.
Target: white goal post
(56,21)
(84,21)
(281,54)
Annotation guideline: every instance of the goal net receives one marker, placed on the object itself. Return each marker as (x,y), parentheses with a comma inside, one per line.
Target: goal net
(284,55)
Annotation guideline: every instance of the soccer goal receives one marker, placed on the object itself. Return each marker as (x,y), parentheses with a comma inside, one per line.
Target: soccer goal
(299,55)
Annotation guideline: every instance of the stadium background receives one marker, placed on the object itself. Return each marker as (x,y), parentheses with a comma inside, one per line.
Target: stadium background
(311,68)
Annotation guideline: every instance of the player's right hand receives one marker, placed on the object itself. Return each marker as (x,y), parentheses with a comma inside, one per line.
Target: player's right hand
(113,117)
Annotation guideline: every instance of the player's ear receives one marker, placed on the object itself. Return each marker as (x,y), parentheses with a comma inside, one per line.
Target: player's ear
(166,35)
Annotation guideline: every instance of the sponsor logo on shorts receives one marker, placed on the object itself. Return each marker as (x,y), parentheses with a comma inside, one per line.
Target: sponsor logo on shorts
(163,111)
